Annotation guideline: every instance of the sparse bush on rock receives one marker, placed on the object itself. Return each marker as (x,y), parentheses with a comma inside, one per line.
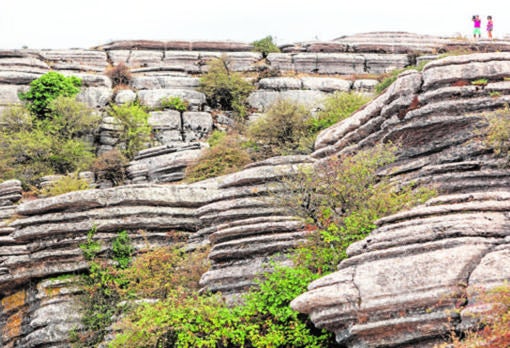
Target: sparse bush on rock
(225,89)
(225,157)
(120,75)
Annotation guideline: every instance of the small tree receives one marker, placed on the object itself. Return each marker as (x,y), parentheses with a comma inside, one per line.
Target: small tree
(225,89)
(47,88)
(265,46)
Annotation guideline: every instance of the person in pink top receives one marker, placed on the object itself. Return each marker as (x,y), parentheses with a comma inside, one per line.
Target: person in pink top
(478,23)
(490,26)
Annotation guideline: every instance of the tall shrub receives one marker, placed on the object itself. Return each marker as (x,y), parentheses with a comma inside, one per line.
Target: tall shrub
(224,88)
(136,129)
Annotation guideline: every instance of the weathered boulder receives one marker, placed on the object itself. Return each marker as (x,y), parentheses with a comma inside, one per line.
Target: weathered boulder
(157,82)
(125,96)
(95,97)
(165,163)
(152,97)
(196,125)
(10,192)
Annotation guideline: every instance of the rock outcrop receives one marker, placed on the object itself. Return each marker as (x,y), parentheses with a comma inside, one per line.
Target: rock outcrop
(401,286)
(396,287)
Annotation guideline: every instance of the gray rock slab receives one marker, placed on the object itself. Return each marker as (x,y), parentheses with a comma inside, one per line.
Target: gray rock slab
(152,98)
(262,99)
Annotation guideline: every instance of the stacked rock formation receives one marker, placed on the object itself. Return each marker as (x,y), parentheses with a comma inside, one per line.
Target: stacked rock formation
(402,284)
(395,286)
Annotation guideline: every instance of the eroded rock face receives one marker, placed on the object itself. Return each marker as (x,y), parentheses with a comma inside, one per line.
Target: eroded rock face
(401,285)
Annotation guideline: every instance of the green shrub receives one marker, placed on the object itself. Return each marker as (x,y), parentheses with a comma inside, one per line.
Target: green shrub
(480,82)
(47,88)
(122,250)
(225,157)
(174,103)
(184,318)
(136,132)
(72,119)
(387,81)
(216,137)
(337,107)
(68,183)
(281,129)
(110,166)
(225,89)
(265,46)
(15,119)
(343,198)
(37,147)
(119,74)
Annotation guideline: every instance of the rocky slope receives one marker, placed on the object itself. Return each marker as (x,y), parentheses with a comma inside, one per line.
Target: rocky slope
(402,284)
(395,286)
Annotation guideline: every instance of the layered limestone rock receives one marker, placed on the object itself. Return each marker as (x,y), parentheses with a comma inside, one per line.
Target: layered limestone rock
(246,227)
(405,284)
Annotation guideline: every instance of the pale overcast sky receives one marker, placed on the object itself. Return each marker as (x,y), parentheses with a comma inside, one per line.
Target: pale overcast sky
(84,24)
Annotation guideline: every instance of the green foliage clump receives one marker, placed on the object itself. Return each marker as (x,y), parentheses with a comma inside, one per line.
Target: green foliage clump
(122,250)
(265,46)
(68,183)
(47,88)
(343,198)
(281,130)
(337,107)
(225,157)
(480,82)
(101,288)
(136,132)
(225,89)
(216,137)
(32,147)
(184,318)
(174,103)
(110,166)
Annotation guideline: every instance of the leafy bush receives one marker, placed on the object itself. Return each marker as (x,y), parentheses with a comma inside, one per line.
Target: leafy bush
(281,129)
(225,89)
(265,46)
(225,157)
(122,250)
(32,147)
(68,183)
(101,288)
(47,88)
(136,132)
(337,107)
(174,103)
(110,166)
(183,318)
(119,74)
(343,198)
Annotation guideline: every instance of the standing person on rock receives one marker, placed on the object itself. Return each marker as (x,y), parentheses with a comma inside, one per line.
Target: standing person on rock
(490,26)
(477,23)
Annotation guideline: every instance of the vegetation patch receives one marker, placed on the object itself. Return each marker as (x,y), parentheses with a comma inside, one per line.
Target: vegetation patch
(136,130)
(265,46)
(225,89)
